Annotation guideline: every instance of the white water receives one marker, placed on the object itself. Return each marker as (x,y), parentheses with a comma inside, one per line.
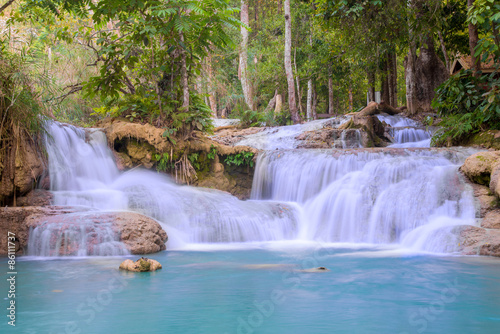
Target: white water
(380,196)
(406,132)
(283,137)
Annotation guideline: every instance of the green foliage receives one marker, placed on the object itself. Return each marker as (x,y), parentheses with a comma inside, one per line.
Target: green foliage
(240,159)
(467,104)
(251,118)
(169,133)
(213,152)
(193,158)
(486,15)
(163,162)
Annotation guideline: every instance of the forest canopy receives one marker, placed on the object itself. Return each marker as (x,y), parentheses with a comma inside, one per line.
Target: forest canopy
(177,64)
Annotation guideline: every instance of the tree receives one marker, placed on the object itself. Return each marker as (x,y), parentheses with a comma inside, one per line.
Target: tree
(288,64)
(245,83)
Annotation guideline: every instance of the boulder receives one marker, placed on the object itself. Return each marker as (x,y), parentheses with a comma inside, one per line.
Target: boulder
(330,138)
(478,167)
(141,234)
(141,265)
(373,131)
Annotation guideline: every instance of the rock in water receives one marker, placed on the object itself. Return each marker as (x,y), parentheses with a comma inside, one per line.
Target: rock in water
(141,265)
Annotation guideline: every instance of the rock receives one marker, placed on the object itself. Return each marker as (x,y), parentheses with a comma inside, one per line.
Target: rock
(473,240)
(478,167)
(37,197)
(315,270)
(123,161)
(141,265)
(492,219)
(330,138)
(495,179)
(487,201)
(373,131)
(21,166)
(141,234)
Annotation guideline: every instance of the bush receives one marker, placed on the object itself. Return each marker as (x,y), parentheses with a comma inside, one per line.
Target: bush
(467,104)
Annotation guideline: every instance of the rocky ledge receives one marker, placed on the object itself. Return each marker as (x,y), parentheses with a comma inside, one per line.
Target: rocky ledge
(139,234)
(483,171)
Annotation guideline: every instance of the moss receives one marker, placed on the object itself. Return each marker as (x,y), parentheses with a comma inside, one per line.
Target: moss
(144,265)
(483,178)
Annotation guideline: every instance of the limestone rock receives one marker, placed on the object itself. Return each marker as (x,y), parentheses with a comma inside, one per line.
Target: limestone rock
(478,167)
(141,234)
(492,219)
(141,265)
(330,138)
(495,179)
(473,240)
(372,127)
(37,197)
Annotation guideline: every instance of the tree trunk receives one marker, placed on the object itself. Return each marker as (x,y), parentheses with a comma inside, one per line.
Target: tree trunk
(314,103)
(473,40)
(393,79)
(184,76)
(245,83)
(330,91)
(288,64)
(211,87)
(384,81)
(371,86)
(297,80)
(443,49)
(309,100)
(424,73)
(279,104)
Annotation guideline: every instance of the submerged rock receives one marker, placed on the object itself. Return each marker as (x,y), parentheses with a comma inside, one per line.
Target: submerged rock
(315,270)
(141,265)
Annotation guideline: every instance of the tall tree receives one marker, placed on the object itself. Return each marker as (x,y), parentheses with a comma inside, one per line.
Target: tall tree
(288,64)
(245,83)
(473,40)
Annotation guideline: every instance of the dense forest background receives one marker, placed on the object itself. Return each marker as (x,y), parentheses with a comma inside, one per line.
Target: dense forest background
(177,63)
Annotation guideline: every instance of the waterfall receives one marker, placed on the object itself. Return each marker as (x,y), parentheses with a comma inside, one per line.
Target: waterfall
(379,196)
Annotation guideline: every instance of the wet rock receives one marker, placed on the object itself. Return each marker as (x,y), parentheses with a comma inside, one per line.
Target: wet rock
(37,197)
(492,220)
(141,265)
(372,130)
(141,234)
(478,167)
(315,270)
(487,201)
(473,240)
(330,138)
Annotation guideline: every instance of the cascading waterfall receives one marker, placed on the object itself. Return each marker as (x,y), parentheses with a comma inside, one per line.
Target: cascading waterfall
(379,196)
(362,196)
(406,132)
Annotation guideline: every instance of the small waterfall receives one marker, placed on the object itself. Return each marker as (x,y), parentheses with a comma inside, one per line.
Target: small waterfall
(406,132)
(74,235)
